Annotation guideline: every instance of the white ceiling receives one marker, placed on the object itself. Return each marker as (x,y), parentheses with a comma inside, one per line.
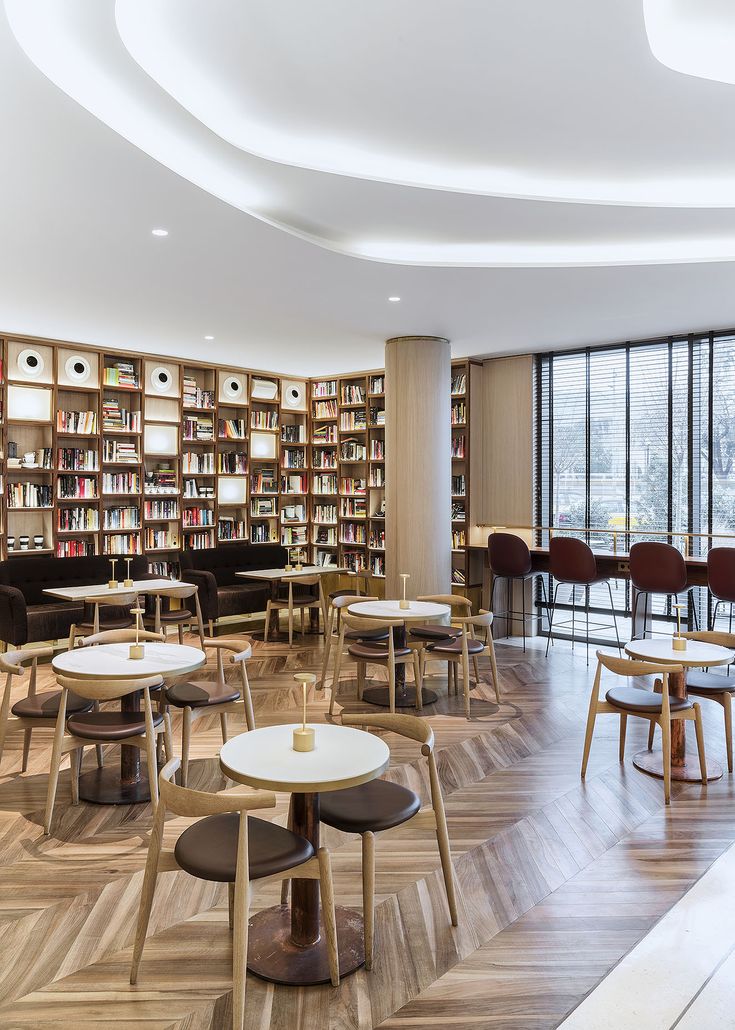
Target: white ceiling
(523,176)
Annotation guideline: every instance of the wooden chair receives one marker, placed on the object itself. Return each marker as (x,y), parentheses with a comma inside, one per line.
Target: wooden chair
(459,650)
(365,651)
(86,627)
(337,603)
(178,617)
(199,698)
(644,704)
(228,846)
(380,805)
(136,729)
(122,636)
(293,601)
(34,711)
(432,632)
(714,685)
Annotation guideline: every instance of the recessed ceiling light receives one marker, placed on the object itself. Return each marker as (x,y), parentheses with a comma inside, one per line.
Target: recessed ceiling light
(394,300)
(208,337)
(159,232)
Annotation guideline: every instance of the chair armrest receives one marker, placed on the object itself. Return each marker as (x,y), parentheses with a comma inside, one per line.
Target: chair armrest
(13,616)
(242,648)
(207,591)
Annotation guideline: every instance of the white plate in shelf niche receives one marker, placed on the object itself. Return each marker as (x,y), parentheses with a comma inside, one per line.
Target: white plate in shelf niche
(30,364)
(263,389)
(162,379)
(293,394)
(75,368)
(233,388)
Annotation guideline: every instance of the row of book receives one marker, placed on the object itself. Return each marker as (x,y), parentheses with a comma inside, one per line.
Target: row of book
(458,511)
(192,488)
(458,539)
(293,513)
(324,513)
(120,452)
(352,394)
(75,459)
(458,486)
(377,416)
(116,419)
(194,461)
(377,448)
(193,396)
(72,520)
(325,559)
(353,507)
(230,528)
(377,566)
(200,541)
(295,484)
(261,533)
(459,383)
(78,488)
(75,548)
(161,509)
(161,480)
(159,539)
(122,543)
(122,373)
(198,427)
(324,484)
(264,481)
(377,539)
(377,476)
(324,388)
(120,483)
(324,458)
(459,413)
(458,446)
(232,429)
(349,485)
(195,517)
(325,535)
(40,459)
(294,536)
(325,409)
(376,384)
(30,495)
(293,433)
(83,423)
(324,434)
(263,418)
(350,420)
(121,518)
(293,458)
(352,533)
(232,463)
(352,450)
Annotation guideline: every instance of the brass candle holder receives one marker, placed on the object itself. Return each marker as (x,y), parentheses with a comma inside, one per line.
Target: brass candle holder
(128,582)
(298,566)
(303,737)
(289,566)
(403,603)
(137,650)
(679,643)
(113,583)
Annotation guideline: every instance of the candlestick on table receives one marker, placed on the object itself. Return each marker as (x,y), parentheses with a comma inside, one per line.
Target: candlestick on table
(137,650)
(679,643)
(303,738)
(403,603)
(128,582)
(113,584)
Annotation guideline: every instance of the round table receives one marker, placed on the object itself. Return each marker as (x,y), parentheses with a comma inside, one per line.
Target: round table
(110,661)
(697,654)
(286,945)
(420,611)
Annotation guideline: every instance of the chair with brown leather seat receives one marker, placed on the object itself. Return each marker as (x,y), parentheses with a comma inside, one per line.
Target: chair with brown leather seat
(510,559)
(659,708)
(714,685)
(721,580)
(227,845)
(188,614)
(380,805)
(199,698)
(79,730)
(337,604)
(380,650)
(657,568)
(119,618)
(572,563)
(34,711)
(297,592)
(457,652)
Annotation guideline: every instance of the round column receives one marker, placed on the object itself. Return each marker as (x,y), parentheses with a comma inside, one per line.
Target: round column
(418,465)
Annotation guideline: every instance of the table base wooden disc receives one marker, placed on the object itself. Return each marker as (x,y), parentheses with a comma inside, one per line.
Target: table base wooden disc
(104,787)
(652,762)
(405,698)
(273,956)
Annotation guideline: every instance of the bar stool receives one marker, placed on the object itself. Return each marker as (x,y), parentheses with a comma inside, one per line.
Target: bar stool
(510,559)
(721,580)
(572,562)
(657,568)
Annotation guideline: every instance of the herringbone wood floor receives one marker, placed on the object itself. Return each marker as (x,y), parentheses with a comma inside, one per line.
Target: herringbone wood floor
(558,879)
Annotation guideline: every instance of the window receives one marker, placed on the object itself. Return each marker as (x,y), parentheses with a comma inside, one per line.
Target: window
(638,437)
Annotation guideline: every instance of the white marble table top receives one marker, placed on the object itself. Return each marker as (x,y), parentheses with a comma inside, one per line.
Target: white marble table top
(342,757)
(101,590)
(390,609)
(306,570)
(112,661)
(698,653)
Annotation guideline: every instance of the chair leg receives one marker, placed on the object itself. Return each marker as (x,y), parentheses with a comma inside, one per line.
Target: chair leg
(418,681)
(589,731)
(665,725)
(651,731)
(623,727)
(615,621)
(231,905)
(466,684)
(392,687)
(335,680)
(75,765)
(361,670)
(551,617)
(53,776)
(223,727)
(368,894)
(476,670)
(494,668)
(445,854)
(523,613)
(241,907)
(699,729)
(26,749)
(727,709)
(185,743)
(168,739)
(327,646)
(150,753)
(267,622)
(290,627)
(147,892)
(326,890)
(181,633)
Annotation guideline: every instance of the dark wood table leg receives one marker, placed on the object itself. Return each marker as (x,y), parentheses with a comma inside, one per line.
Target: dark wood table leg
(126,786)
(287,945)
(681,769)
(405,695)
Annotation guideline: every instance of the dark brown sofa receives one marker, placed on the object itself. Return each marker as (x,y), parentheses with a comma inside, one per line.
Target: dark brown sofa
(223,593)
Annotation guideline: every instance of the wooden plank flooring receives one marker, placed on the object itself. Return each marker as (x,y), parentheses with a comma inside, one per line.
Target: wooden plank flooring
(557,879)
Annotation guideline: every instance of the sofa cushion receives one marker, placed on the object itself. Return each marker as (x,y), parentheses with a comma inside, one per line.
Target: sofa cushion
(242,599)
(32,575)
(52,621)
(225,562)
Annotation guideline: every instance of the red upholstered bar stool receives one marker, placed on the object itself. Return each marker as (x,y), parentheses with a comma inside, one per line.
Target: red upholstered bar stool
(657,568)
(572,562)
(721,580)
(510,559)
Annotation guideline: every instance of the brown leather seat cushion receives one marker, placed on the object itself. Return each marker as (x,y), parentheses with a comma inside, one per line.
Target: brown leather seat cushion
(342,593)
(46,705)
(455,647)
(704,683)
(435,632)
(208,849)
(110,725)
(375,652)
(200,693)
(172,618)
(367,634)
(633,699)
(376,805)
(105,624)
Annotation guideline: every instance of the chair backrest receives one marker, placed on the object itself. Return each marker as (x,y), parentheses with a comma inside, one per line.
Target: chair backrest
(406,725)
(721,573)
(345,600)
(188,802)
(108,690)
(360,622)
(122,636)
(508,555)
(657,568)
(634,666)
(241,650)
(712,636)
(12,663)
(455,601)
(116,599)
(304,581)
(571,560)
(181,590)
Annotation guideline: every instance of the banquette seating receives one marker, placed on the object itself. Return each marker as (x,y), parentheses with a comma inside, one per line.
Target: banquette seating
(221,591)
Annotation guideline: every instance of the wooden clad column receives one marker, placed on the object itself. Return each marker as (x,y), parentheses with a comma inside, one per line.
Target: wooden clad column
(418,465)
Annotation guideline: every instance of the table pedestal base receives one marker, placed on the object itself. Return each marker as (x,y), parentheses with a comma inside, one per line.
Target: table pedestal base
(652,762)
(272,956)
(404,698)
(104,787)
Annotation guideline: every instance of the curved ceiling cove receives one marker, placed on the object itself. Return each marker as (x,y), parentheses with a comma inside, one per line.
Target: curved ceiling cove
(694,37)
(454,134)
